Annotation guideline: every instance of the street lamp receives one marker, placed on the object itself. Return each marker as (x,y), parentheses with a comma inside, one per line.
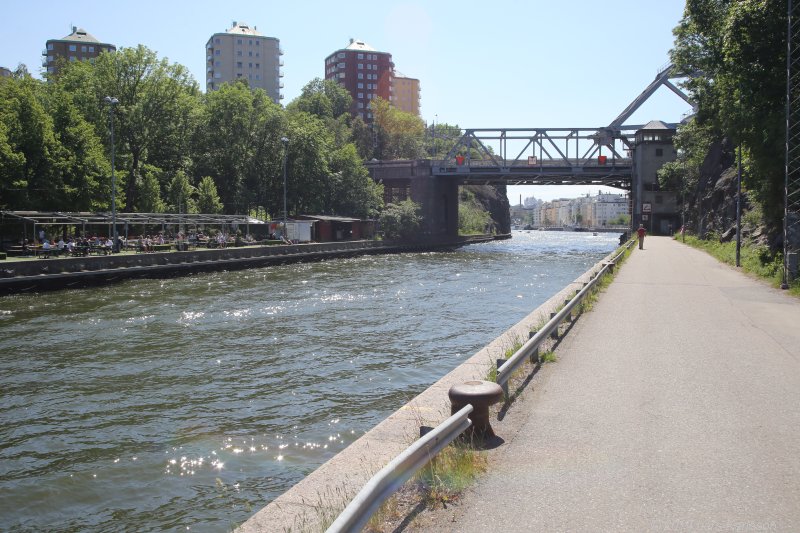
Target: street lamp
(285,142)
(111,101)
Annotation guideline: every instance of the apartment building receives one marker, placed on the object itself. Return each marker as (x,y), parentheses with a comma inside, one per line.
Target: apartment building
(406,94)
(241,52)
(366,73)
(5,73)
(77,46)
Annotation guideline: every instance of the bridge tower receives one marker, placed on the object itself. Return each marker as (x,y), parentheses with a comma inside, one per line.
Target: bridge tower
(657,209)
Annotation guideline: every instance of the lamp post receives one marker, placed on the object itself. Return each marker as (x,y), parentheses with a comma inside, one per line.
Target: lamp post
(111,101)
(285,142)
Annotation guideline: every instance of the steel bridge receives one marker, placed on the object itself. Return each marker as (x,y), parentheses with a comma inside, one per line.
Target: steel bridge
(553,156)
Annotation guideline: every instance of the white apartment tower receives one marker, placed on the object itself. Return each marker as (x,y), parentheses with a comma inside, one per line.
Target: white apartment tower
(244,53)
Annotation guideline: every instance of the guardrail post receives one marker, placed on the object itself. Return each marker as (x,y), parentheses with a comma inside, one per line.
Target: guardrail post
(554,334)
(569,316)
(535,353)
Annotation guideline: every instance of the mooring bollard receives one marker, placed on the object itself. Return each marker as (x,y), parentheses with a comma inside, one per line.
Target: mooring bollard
(480,395)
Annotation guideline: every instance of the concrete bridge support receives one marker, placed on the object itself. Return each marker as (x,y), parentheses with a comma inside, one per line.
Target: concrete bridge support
(413,179)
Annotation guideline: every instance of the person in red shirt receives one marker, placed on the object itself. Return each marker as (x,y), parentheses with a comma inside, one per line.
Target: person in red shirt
(640,232)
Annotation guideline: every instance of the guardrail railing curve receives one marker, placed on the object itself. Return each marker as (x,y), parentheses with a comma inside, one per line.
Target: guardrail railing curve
(398,471)
(386,482)
(531,346)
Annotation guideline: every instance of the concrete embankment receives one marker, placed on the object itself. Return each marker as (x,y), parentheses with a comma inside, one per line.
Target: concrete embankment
(54,274)
(318,498)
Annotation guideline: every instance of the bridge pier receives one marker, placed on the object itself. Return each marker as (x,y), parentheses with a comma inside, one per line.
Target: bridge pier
(436,195)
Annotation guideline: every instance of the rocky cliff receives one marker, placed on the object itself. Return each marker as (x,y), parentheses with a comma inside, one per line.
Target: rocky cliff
(493,198)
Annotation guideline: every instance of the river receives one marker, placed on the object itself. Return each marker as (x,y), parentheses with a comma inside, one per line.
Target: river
(190,403)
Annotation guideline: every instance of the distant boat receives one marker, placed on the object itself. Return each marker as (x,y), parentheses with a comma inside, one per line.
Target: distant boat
(594,234)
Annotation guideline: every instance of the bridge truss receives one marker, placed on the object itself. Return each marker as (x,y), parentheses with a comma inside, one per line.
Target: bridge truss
(553,156)
(541,156)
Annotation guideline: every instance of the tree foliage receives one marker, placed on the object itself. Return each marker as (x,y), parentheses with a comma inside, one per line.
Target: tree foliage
(735,54)
(401,221)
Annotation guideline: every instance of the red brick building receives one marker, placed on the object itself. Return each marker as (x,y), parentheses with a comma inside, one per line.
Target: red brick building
(77,46)
(365,72)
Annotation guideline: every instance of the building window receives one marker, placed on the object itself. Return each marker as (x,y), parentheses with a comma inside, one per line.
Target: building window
(361,95)
(217,63)
(91,49)
(239,53)
(361,56)
(360,76)
(250,42)
(360,85)
(341,74)
(238,41)
(258,76)
(250,53)
(340,65)
(238,64)
(49,46)
(238,74)
(258,65)
(72,58)
(73,48)
(217,75)
(361,66)
(361,105)
(216,52)
(340,54)
(249,65)
(216,41)
(258,43)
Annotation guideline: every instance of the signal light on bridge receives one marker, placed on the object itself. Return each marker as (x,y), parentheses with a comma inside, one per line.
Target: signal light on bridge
(601,160)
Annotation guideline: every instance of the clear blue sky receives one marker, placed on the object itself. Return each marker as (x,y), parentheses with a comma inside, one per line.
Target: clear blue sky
(506,63)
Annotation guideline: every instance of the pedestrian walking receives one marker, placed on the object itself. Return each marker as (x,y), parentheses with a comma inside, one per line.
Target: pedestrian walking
(641,232)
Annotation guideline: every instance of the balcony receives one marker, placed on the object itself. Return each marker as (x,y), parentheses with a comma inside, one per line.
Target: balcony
(280,86)
(280,63)
(280,51)
(280,74)
(44,52)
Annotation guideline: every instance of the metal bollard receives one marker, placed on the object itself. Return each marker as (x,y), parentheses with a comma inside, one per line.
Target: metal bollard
(479,394)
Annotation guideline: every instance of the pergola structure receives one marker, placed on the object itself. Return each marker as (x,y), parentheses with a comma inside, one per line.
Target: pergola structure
(84,219)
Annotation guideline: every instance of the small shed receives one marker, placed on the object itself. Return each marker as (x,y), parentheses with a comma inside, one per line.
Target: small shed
(331,228)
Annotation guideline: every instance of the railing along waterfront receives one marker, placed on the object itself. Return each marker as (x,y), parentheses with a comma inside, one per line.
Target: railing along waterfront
(383,484)
(530,349)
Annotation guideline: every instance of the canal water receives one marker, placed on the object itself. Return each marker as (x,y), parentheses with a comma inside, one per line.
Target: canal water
(190,403)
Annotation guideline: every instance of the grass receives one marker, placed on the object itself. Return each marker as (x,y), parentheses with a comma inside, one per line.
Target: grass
(548,357)
(757,260)
(450,472)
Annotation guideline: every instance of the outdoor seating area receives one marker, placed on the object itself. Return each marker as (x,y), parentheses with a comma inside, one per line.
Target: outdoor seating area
(45,235)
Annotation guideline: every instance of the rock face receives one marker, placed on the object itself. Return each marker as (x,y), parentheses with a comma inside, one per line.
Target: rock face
(493,198)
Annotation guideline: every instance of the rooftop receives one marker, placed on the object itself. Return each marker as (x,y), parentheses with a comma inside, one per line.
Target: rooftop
(80,35)
(241,28)
(657,125)
(359,45)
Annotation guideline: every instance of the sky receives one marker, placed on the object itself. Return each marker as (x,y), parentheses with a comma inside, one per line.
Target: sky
(499,64)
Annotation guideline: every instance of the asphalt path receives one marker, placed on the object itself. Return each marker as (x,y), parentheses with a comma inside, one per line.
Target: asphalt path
(674,406)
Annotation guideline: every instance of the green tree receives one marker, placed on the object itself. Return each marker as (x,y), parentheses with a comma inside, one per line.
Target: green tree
(207,198)
(155,114)
(31,151)
(149,200)
(735,53)
(180,194)
(323,99)
(353,192)
(401,221)
(399,134)
(239,145)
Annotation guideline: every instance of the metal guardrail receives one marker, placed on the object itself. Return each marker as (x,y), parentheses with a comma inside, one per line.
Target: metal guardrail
(531,348)
(383,484)
(398,471)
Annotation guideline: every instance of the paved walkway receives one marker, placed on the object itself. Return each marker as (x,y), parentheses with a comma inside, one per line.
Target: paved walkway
(674,406)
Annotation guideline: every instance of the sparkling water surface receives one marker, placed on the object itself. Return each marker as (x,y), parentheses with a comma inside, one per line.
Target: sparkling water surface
(190,403)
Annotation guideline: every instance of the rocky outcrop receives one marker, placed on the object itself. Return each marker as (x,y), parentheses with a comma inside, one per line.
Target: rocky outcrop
(493,198)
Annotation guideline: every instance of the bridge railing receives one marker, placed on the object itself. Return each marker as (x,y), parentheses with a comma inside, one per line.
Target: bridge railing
(530,349)
(517,163)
